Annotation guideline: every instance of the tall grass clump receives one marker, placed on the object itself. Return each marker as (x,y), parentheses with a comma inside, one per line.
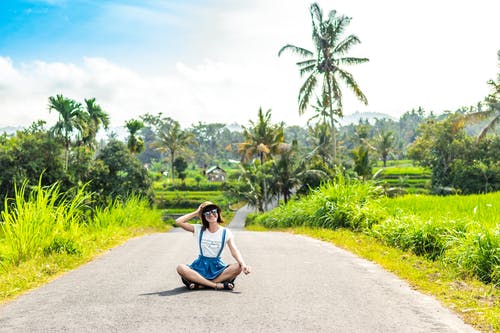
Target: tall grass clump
(341,204)
(478,253)
(43,220)
(133,211)
(425,237)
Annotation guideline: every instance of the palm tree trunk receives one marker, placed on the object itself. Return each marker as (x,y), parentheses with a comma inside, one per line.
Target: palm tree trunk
(332,121)
(66,154)
(172,165)
(264,204)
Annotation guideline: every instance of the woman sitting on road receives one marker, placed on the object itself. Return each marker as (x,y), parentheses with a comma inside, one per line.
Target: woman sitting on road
(209,270)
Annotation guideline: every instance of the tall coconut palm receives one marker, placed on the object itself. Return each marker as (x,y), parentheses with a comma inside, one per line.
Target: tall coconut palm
(325,68)
(70,116)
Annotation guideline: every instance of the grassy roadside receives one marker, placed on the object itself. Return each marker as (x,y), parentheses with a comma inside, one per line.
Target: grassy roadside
(40,270)
(476,303)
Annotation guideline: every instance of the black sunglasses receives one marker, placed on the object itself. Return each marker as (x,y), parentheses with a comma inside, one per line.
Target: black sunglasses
(212,211)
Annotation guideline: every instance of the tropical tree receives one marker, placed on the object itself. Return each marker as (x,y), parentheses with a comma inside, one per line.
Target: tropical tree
(320,139)
(362,161)
(383,144)
(210,143)
(135,143)
(262,139)
(95,117)
(116,173)
(70,118)
(325,67)
(180,166)
(291,172)
(172,138)
(249,186)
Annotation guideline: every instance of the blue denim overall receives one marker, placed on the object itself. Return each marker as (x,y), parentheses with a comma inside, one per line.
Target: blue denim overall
(209,267)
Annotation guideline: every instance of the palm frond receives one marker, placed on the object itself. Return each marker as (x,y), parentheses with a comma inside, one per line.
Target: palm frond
(345,45)
(305,92)
(353,85)
(491,125)
(295,49)
(306,63)
(352,61)
(307,70)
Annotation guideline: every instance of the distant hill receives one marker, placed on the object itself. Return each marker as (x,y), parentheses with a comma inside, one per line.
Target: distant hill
(10,130)
(371,116)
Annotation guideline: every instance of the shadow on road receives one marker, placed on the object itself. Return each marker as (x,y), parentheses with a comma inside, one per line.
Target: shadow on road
(182,290)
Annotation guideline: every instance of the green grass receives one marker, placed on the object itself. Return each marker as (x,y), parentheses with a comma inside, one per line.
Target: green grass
(482,208)
(410,170)
(49,233)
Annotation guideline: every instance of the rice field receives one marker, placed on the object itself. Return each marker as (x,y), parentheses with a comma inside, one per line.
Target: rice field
(483,209)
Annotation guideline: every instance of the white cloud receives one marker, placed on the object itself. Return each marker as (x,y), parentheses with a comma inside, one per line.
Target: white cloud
(421,54)
(210,92)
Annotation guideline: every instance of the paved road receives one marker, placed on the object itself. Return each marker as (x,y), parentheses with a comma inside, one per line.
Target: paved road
(298,284)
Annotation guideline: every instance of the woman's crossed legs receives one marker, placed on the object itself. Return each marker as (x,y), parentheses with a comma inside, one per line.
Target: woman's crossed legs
(223,281)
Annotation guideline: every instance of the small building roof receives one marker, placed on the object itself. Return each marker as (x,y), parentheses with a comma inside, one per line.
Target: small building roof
(212,169)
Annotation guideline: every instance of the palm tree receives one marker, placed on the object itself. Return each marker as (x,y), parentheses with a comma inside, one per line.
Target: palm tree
(384,143)
(70,118)
(135,143)
(320,138)
(95,117)
(262,139)
(173,139)
(325,68)
(361,161)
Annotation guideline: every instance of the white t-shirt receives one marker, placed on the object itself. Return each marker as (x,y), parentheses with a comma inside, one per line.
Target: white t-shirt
(211,242)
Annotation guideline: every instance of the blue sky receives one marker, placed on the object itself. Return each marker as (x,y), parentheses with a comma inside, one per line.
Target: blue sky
(216,60)
(64,30)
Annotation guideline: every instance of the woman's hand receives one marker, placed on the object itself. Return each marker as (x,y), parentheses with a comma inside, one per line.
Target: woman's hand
(198,210)
(246,269)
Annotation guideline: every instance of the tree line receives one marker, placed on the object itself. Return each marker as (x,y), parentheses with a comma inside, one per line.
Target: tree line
(276,160)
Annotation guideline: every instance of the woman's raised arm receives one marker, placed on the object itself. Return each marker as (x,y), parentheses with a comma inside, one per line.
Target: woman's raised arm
(184,219)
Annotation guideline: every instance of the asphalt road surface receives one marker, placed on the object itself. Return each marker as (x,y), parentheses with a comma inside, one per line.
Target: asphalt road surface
(298,284)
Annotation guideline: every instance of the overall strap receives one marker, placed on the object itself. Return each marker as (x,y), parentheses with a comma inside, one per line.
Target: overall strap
(199,241)
(223,240)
